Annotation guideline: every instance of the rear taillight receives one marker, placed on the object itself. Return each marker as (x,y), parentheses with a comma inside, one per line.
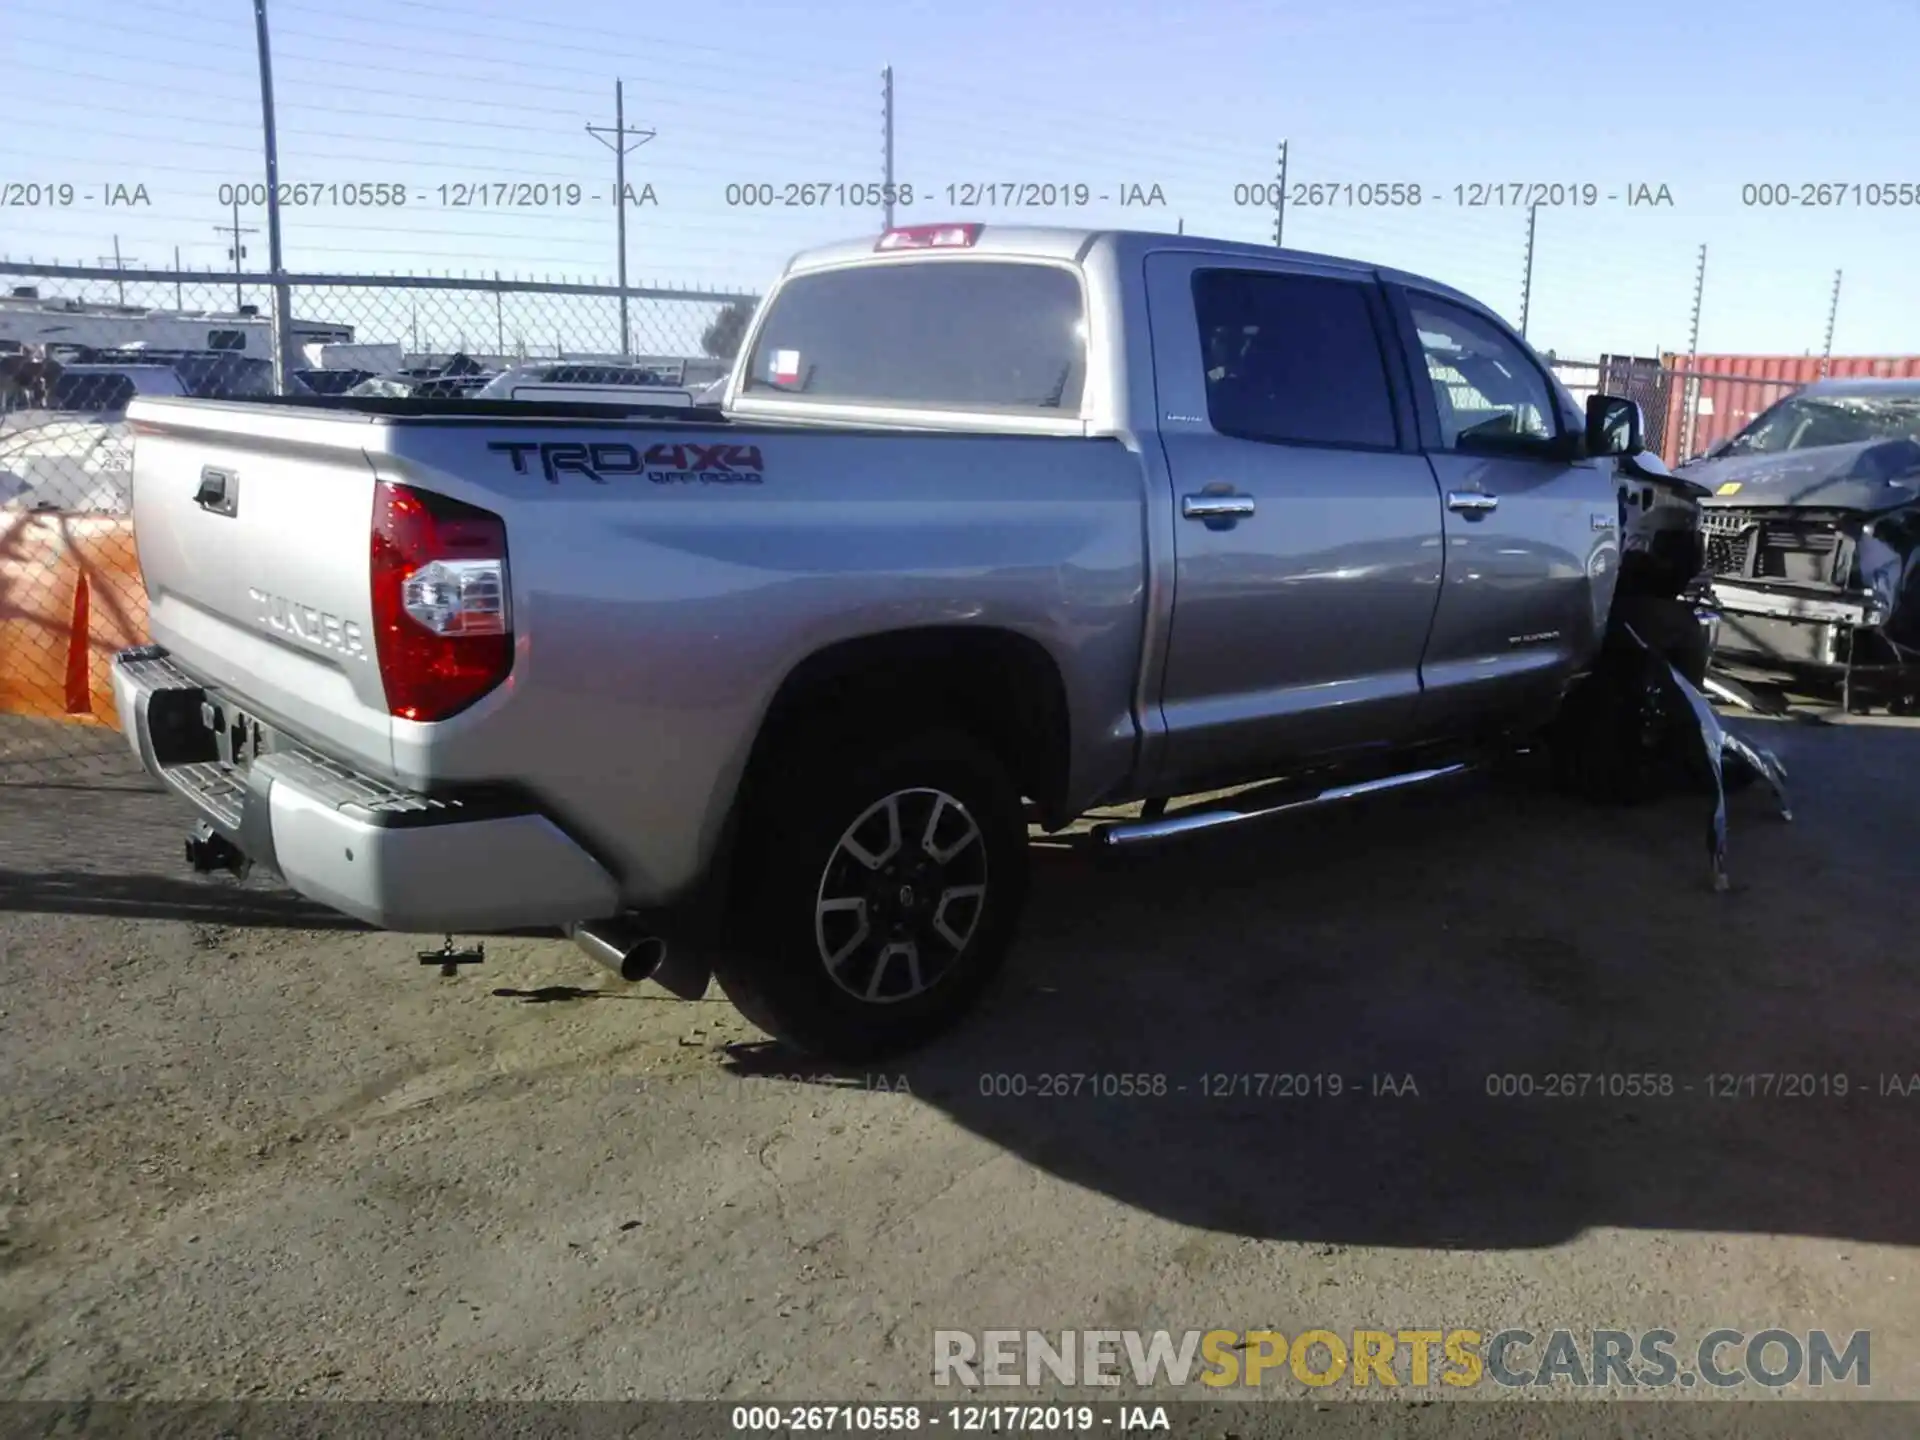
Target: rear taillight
(443,625)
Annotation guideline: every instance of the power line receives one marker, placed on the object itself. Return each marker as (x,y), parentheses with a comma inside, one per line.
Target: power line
(118,264)
(237,252)
(727,54)
(282,296)
(615,138)
(517,78)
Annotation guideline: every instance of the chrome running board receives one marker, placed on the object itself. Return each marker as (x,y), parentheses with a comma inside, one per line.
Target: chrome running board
(1128,832)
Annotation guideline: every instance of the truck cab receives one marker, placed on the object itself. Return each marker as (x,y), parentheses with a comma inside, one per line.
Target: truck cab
(1372,518)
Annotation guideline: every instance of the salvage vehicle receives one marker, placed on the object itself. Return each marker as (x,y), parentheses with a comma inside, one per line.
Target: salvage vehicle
(994,526)
(1813,539)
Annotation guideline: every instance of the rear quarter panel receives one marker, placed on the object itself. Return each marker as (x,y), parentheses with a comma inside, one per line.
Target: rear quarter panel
(656,619)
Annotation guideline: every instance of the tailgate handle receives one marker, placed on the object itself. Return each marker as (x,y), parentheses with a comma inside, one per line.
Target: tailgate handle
(219,491)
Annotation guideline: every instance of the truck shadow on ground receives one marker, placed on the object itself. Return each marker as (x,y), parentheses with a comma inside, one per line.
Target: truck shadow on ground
(160,897)
(1301,1031)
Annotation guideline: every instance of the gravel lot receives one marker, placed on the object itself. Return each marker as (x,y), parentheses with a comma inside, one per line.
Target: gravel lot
(251,1150)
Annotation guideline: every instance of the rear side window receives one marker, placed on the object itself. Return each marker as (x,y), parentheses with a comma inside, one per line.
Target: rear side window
(960,334)
(1292,358)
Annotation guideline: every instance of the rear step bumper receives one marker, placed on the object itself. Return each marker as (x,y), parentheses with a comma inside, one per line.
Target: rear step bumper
(394,858)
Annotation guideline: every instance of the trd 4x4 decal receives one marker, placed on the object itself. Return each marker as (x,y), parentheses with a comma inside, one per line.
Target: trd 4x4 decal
(664,464)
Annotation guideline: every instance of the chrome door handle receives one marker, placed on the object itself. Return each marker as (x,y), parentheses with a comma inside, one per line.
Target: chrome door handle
(1216,507)
(1471,502)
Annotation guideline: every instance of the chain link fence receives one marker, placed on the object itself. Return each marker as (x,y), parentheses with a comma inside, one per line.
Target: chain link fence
(77,344)
(1687,410)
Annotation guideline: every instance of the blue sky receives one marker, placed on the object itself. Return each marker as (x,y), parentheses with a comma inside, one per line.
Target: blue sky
(1701,97)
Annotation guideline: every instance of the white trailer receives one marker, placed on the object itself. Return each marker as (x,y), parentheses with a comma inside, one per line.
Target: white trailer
(379,358)
(30,320)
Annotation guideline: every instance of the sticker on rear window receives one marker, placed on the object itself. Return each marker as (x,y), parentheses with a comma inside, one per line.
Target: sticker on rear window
(786,366)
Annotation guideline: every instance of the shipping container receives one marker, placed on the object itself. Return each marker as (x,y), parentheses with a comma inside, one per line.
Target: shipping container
(1728,391)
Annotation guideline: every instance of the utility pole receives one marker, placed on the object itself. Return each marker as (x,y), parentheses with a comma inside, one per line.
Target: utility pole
(1280,197)
(118,264)
(499,321)
(179,296)
(1692,388)
(615,139)
(282,296)
(886,145)
(1526,284)
(1833,313)
(236,252)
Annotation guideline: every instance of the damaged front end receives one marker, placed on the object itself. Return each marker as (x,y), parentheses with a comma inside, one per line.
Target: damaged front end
(1640,723)
(1815,560)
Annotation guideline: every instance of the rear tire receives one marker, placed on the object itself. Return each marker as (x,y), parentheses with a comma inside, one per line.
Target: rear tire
(879,895)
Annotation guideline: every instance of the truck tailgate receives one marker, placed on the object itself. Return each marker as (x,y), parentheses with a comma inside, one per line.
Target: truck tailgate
(254,531)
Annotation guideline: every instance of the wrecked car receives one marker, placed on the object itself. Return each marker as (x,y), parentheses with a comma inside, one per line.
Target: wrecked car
(1812,522)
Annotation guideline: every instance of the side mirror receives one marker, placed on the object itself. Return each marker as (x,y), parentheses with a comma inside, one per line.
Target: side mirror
(1614,425)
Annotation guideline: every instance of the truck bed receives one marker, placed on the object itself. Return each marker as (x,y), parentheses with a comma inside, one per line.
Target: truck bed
(667,572)
(406,410)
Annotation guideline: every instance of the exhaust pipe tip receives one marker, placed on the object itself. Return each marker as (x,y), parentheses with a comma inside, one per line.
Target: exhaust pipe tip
(629,953)
(643,959)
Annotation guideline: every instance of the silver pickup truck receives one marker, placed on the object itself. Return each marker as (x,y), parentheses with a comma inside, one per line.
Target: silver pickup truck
(995,526)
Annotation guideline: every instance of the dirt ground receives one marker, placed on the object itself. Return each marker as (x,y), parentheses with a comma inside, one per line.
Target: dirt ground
(251,1150)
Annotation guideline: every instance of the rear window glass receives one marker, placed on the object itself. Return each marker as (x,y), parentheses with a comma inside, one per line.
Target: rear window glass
(973,334)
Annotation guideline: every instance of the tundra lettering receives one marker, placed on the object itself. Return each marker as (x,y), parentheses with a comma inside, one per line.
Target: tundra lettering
(306,623)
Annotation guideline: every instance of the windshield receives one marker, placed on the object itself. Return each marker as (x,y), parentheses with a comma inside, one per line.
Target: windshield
(1806,421)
